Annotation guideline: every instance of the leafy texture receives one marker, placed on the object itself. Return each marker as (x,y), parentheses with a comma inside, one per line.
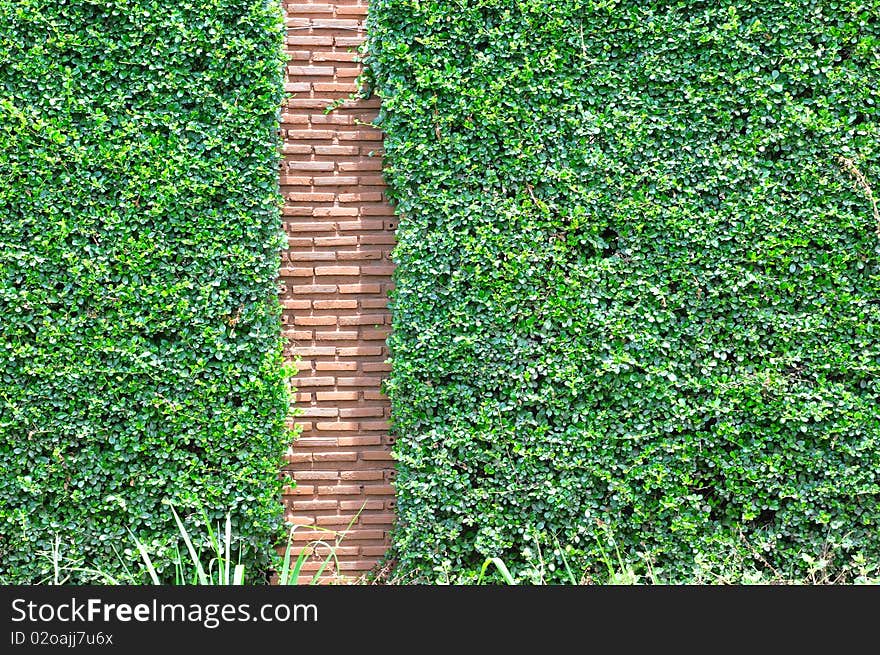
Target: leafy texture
(638,284)
(140,353)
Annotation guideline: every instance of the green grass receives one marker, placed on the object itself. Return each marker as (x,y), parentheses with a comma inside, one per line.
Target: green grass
(206,560)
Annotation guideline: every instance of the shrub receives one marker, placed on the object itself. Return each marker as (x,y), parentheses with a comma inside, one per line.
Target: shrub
(140,353)
(637,283)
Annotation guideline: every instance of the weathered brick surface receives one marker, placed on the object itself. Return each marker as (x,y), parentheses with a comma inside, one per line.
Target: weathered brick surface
(334,282)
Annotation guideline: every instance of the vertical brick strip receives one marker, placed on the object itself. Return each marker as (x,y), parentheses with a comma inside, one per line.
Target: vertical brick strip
(335,277)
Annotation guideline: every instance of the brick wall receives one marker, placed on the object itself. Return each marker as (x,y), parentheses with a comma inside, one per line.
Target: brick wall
(334,279)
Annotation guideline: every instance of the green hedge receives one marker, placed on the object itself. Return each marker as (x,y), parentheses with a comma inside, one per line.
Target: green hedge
(638,284)
(140,353)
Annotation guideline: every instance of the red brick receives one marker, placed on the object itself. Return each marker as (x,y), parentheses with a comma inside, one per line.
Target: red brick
(362,475)
(297,272)
(335,276)
(337,270)
(336,366)
(334,24)
(363,319)
(312,256)
(341,551)
(347,41)
(377,239)
(366,505)
(376,456)
(361,412)
(340,521)
(313,382)
(316,442)
(362,535)
(384,271)
(331,396)
(358,254)
(331,119)
(376,210)
(359,441)
(359,351)
(351,10)
(336,55)
(375,425)
(334,180)
(360,288)
(355,565)
(335,336)
(296,149)
(327,242)
(339,456)
(324,412)
(310,40)
(362,165)
(334,87)
(316,135)
(320,411)
(299,9)
(315,320)
(373,551)
(311,165)
(379,489)
(313,289)
(287,303)
(302,505)
(317,475)
(297,87)
(334,304)
(358,382)
(318,212)
(364,196)
(311,351)
(337,150)
(311,227)
(310,70)
(311,197)
(296,180)
(374,303)
(337,426)
(338,489)
(300,490)
(359,226)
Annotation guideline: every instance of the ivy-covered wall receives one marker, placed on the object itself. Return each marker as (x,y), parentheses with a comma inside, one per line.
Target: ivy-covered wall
(638,284)
(140,354)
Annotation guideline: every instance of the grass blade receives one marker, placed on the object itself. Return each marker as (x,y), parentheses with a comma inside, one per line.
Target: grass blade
(330,556)
(200,571)
(568,570)
(502,568)
(285,565)
(146,557)
(228,546)
(214,542)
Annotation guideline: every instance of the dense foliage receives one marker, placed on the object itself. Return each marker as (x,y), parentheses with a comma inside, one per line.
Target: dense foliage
(638,284)
(140,351)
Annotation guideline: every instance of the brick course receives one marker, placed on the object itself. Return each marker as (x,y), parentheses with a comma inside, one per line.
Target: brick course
(334,281)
